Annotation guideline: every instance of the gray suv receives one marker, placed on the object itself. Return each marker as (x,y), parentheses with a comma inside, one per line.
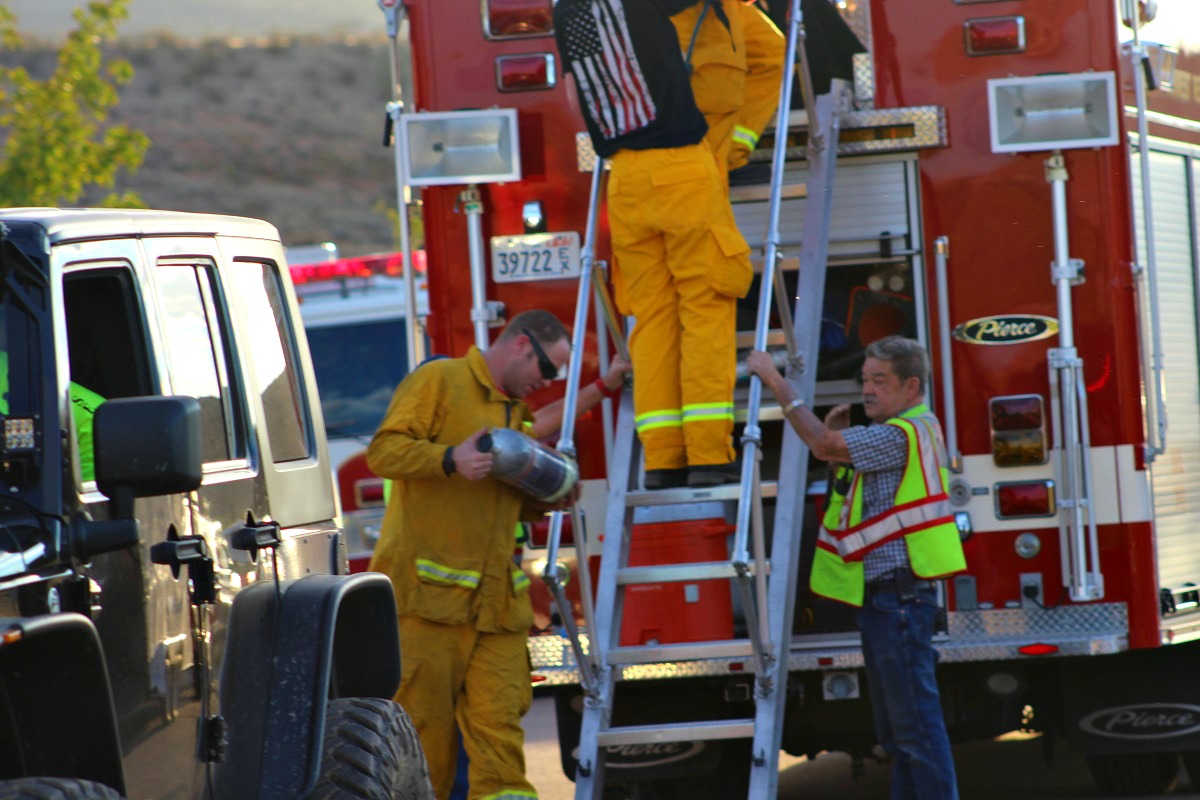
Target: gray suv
(175,617)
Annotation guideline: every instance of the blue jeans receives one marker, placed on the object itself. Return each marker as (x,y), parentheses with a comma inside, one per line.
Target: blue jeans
(898,650)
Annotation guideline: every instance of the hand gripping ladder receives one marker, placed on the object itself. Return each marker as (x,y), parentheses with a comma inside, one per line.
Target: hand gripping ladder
(767,603)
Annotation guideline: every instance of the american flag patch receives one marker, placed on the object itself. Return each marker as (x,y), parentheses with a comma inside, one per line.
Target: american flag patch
(594,37)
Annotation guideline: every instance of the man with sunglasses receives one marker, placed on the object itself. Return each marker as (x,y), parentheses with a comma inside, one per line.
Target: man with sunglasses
(447,543)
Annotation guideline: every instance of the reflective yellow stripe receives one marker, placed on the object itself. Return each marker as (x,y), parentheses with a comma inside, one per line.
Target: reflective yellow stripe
(511,794)
(703,412)
(520,581)
(661,418)
(745,136)
(440,573)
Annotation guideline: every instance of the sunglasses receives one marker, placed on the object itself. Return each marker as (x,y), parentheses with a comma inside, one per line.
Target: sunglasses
(545,365)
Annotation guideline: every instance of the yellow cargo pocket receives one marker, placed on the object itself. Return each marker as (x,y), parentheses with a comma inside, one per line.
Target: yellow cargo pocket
(684,191)
(445,585)
(731,277)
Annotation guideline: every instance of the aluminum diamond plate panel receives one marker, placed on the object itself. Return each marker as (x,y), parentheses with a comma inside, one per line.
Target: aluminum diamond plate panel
(992,635)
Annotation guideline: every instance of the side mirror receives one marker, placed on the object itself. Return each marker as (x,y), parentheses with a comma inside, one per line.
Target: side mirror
(146,446)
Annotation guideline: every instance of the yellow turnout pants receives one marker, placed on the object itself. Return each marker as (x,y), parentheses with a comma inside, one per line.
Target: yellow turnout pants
(680,266)
(454,674)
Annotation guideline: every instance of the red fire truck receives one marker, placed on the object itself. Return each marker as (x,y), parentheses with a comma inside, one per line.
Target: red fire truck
(1015,187)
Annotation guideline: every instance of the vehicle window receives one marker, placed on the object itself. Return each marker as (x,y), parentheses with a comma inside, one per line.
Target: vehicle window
(105,333)
(358,367)
(289,429)
(196,351)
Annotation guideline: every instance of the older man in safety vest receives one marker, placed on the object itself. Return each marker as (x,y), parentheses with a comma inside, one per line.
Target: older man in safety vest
(888,532)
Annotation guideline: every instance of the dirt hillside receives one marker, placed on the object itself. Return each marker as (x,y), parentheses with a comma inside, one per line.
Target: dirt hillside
(285,129)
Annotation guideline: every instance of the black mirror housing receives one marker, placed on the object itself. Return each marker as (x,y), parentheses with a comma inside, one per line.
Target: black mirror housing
(147,446)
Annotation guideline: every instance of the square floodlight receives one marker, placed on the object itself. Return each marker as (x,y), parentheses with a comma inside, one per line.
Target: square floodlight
(448,147)
(1053,112)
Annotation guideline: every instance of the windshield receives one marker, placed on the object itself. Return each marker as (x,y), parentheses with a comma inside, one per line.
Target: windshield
(358,367)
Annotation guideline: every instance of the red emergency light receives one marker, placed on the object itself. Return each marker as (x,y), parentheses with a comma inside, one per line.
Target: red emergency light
(512,19)
(525,72)
(1038,649)
(391,264)
(993,36)
(1025,499)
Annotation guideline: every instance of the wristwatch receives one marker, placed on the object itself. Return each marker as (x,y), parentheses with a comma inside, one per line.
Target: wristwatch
(448,465)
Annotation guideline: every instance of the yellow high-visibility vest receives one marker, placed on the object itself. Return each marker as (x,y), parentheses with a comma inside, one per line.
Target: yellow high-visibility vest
(920,512)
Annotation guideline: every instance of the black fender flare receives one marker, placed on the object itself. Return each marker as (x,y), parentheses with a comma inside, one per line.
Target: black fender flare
(57,717)
(290,650)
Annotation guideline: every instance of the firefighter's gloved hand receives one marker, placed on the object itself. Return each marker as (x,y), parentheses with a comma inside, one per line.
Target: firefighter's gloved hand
(468,461)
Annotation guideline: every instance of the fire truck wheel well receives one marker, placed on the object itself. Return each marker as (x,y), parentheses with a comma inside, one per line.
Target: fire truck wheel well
(56,707)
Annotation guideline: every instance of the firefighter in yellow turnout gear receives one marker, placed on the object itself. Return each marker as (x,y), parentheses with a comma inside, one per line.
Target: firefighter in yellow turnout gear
(681,262)
(735,54)
(447,545)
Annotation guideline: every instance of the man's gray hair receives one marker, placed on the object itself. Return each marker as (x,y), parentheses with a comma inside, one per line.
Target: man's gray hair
(908,357)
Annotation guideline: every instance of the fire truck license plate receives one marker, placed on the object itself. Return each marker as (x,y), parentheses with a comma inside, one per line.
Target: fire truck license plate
(535,257)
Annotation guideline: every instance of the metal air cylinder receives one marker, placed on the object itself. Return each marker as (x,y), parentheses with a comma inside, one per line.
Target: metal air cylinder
(529,465)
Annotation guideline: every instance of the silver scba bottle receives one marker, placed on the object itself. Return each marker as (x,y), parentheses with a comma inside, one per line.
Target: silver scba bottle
(529,465)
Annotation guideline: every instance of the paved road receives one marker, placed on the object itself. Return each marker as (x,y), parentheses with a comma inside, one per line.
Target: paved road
(1014,769)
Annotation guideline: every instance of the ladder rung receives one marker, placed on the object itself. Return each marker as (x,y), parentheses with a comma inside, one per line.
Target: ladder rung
(677,732)
(675,573)
(685,651)
(670,497)
(788,264)
(760,192)
(745,339)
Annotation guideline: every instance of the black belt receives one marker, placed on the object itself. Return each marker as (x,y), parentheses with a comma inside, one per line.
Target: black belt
(897,582)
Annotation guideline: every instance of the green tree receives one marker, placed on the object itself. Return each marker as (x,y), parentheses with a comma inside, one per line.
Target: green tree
(57,140)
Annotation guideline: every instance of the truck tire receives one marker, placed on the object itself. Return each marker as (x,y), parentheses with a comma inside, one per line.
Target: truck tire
(56,789)
(371,751)
(1135,773)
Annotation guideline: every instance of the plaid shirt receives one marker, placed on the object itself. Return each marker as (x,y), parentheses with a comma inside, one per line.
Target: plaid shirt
(879,453)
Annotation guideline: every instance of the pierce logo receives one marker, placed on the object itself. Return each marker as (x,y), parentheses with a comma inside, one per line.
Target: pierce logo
(1006,329)
(652,754)
(1149,721)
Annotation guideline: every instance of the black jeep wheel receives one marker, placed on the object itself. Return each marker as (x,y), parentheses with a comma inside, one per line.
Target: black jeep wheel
(371,751)
(1135,773)
(56,789)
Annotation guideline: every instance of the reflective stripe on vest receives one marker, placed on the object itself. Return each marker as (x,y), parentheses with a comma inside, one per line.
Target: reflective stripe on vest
(921,513)
(439,573)
(512,794)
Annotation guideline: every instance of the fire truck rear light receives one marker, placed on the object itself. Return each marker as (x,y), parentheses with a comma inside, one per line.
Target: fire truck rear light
(525,73)
(1018,413)
(1038,649)
(992,36)
(369,492)
(539,532)
(517,19)
(1026,499)
(1018,430)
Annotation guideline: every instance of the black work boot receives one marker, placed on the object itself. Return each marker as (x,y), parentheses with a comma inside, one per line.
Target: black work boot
(666,478)
(714,474)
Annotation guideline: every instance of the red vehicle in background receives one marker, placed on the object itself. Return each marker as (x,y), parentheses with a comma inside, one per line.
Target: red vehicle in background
(354,316)
(991,201)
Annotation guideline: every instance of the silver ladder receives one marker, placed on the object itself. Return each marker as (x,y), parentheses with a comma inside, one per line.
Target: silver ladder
(767,602)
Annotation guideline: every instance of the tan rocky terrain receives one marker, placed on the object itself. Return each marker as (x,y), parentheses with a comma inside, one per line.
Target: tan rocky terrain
(286,129)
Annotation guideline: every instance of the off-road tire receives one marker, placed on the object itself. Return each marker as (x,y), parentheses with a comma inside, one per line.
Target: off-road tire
(371,751)
(1135,773)
(56,789)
